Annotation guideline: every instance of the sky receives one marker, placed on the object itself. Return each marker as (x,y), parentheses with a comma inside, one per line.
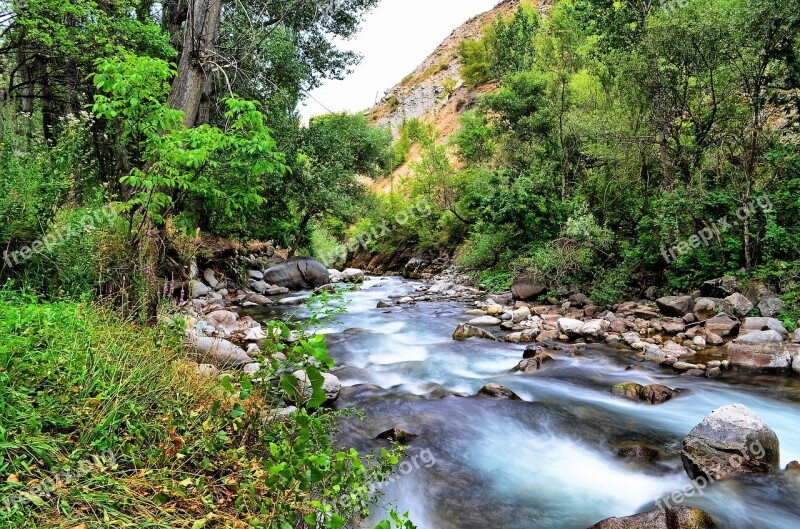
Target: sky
(394,39)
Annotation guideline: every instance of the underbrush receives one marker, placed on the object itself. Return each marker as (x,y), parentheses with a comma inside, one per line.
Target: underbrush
(104,423)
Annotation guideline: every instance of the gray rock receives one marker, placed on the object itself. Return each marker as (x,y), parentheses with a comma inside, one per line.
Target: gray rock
(256,275)
(298,273)
(330,385)
(770,306)
(737,305)
(760,337)
(295,300)
(796,363)
(276,291)
(258,286)
(675,305)
(670,518)
(705,308)
(352,275)
(199,289)
(570,327)
(796,336)
(730,441)
(722,325)
(489,321)
(653,353)
(210,277)
(768,356)
(750,325)
(220,353)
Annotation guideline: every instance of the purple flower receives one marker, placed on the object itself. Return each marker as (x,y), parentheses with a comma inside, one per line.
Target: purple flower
(147,270)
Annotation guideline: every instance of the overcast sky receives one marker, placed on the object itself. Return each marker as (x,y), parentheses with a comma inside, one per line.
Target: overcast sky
(395,38)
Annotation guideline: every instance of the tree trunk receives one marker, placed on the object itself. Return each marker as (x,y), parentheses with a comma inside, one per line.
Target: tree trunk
(300,233)
(196,62)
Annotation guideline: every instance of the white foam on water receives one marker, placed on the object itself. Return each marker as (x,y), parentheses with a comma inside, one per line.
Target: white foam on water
(563,474)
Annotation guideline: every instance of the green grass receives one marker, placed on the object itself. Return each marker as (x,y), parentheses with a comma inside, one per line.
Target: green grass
(103,423)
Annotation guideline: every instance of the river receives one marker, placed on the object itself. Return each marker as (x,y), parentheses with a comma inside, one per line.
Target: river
(551,460)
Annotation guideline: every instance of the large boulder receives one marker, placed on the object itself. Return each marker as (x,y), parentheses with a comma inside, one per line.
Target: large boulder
(737,305)
(766,356)
(675,305)
(223,320)
(220,353)
(298,273)
(526,289)
(722,325)
(730,441)
(678,517)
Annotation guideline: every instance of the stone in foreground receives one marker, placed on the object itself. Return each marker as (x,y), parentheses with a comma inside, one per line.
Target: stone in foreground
(730,441)
(670,518)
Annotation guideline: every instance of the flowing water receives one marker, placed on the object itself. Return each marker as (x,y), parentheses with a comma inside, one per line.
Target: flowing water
(549,461)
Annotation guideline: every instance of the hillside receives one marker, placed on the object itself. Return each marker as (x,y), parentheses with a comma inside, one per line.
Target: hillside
(435,91)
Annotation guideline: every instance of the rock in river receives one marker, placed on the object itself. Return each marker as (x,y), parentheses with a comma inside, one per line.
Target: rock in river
(669,518)
(298,273)
(731,440)
(465,331)
(498,392)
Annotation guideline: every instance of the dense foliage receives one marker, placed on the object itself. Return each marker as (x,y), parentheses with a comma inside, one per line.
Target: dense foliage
(627,145)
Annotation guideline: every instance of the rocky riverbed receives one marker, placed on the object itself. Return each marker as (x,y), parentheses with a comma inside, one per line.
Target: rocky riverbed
(520,414)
